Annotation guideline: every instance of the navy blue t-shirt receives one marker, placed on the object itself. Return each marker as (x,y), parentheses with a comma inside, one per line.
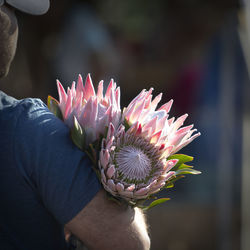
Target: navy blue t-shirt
(44,179)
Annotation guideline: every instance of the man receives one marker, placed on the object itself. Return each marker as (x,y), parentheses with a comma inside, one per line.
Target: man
(46,183)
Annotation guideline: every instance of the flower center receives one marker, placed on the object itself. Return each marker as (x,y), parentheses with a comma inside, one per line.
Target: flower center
(133,163)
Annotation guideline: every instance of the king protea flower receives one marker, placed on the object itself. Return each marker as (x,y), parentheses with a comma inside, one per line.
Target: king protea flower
(135,158)
(154,124)
(93,111)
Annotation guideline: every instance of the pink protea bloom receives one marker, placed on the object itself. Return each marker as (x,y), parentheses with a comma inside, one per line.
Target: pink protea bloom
(141,115)
(132,167)
(133,159)
(93,111)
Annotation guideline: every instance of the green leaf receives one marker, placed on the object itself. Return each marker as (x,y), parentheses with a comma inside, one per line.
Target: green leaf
(114,199)
(187,171)
(78,135)
(182,159)
(105,132)
(155,203)
(184,166)
(126,125)
(93,153)
(170,183)
(53,106)
(119,201)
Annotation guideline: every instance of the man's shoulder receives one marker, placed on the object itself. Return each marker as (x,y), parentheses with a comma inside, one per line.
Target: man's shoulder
(18,117)
(9,106)
(6,101)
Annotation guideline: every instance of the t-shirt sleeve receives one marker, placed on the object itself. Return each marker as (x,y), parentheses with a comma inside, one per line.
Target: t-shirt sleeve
(53,166)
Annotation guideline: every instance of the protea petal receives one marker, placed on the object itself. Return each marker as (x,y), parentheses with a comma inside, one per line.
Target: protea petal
(79,87)
(104,158)
(118,96)
(142,191)
(119,187)
(185,129)
(109,90)
(179,122)
(61,92)
(100,91)
(111,185)
(130,188)
(85,117)
(155,138)
(185,143)
(89,88)
(167,106)
(151,124)
(137,112)
(111,130)
(111,171)
(168,151)
(162,123)
(177,138)
(155,102)
(103,176)
(170,164)
(127,194)
(68,106)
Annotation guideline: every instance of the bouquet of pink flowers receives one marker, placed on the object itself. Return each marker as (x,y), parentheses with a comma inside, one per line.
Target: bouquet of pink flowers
(133,151)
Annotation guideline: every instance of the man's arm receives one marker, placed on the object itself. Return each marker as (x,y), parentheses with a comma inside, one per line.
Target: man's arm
(103,224)
(67,184)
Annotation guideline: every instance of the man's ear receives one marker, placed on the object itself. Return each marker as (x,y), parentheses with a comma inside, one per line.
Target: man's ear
(8,38)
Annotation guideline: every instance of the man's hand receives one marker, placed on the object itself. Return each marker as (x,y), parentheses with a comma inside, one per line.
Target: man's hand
(103,224)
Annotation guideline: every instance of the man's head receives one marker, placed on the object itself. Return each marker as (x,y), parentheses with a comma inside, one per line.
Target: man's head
(9,27)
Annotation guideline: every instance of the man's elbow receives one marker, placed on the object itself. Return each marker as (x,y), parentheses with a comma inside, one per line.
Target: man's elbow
(131,240)
(139,226)
(143,244)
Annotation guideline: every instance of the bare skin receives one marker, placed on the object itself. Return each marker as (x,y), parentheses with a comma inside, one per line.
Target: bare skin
(102,224)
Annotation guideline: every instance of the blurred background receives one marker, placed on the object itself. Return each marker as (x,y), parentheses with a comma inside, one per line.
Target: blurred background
(195,52)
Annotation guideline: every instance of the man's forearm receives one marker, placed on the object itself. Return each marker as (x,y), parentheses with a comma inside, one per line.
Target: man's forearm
(140,225)
(103,224)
